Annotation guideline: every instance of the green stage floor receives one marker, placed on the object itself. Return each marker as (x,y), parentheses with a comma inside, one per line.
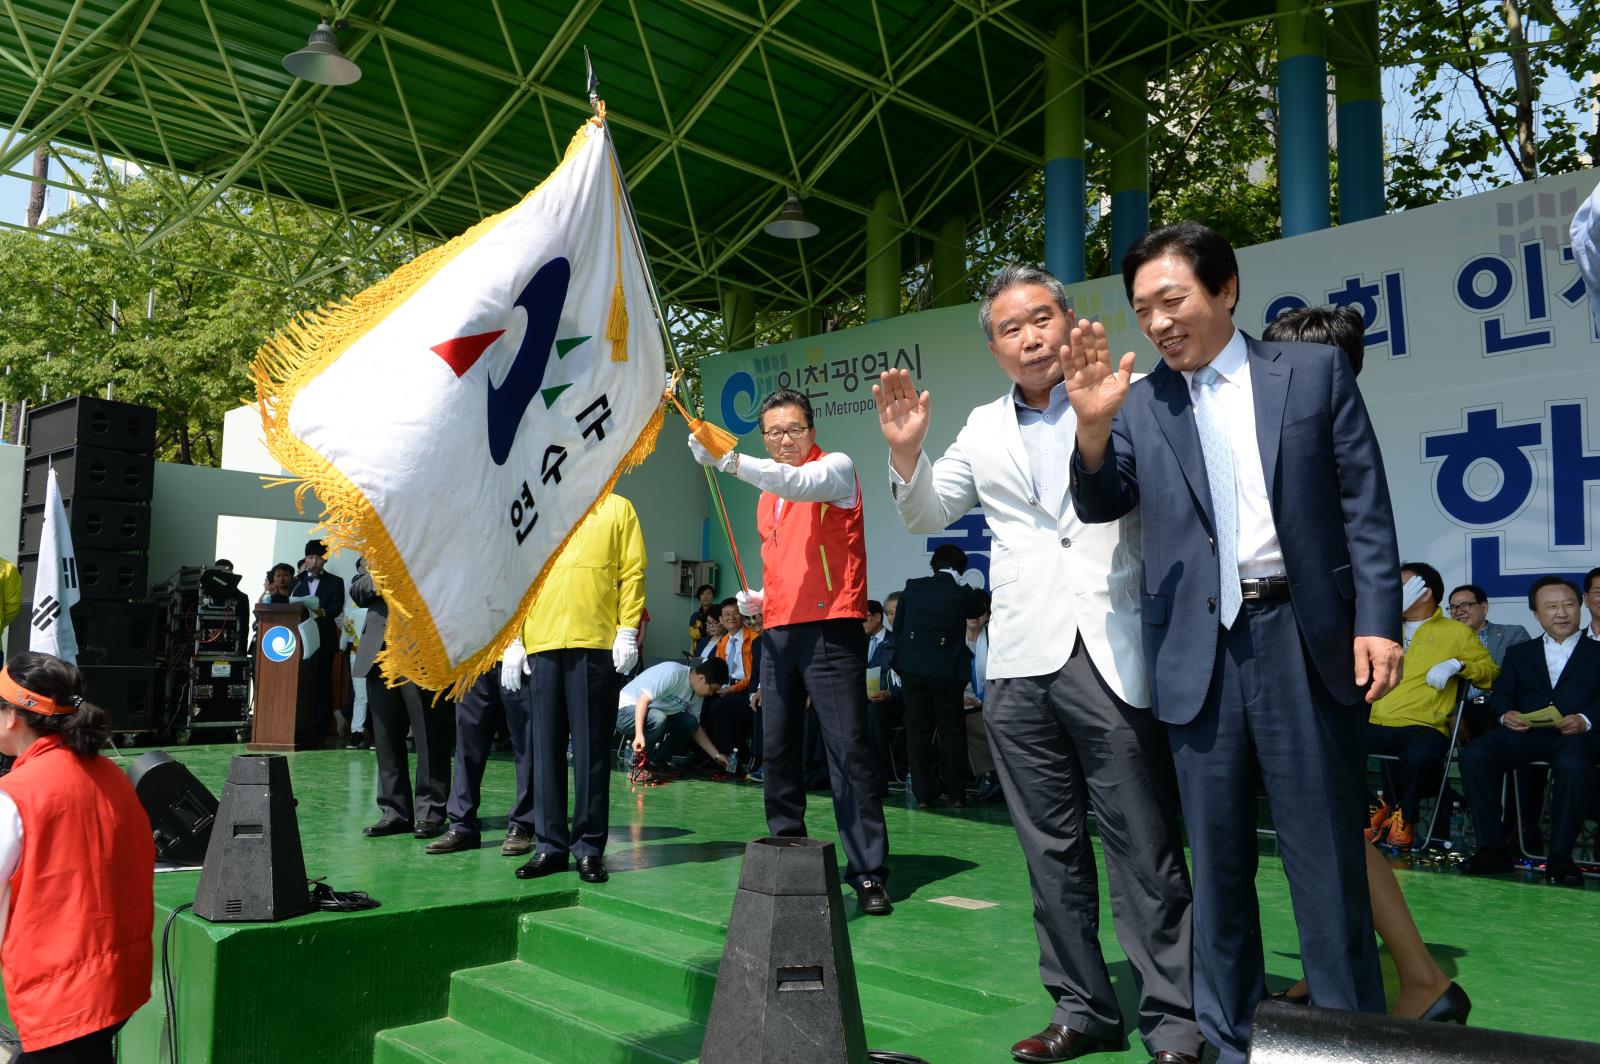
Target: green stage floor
(465,963)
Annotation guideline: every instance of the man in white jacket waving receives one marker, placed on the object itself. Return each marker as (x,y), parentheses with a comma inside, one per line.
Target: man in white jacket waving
(1066,701)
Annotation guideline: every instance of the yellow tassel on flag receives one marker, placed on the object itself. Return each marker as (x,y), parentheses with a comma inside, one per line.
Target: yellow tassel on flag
(617,325)
(714,438)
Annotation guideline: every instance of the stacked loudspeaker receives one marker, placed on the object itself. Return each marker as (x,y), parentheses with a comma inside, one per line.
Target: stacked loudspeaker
(103,453)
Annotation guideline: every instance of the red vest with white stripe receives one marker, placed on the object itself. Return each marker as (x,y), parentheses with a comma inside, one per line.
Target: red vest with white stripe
(76,956)
(813,559)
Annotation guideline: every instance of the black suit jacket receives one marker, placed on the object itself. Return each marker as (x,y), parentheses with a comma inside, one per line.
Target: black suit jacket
(1329,499)
(930,636)
(1524,682)
(883,658)
(330,593)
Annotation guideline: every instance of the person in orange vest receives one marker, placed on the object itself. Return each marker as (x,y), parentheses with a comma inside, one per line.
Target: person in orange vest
(76,868)
(814,565)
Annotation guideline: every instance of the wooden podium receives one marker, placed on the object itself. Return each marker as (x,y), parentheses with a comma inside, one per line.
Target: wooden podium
(285,682)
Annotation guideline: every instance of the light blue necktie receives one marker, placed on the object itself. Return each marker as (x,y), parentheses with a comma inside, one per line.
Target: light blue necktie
(1209,419)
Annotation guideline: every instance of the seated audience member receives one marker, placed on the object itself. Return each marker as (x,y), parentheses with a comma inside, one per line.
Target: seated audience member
(661,709)
(884,706)
(728,718)
(931,656)
(1544,704)
(704,595)
(1412,722)
(1469,604)
(978,754)
(710,631)
(1591,597)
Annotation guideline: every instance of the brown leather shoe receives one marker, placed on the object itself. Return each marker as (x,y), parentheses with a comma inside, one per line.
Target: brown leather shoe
(1057,1043)
(1172,1056)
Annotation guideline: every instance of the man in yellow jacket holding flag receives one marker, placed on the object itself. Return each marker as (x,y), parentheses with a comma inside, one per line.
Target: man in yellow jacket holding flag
(582,631)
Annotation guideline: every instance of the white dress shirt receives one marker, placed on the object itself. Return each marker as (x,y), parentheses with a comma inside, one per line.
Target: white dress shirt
(735,658)
(1259,553)
(830,479)
(1556,655)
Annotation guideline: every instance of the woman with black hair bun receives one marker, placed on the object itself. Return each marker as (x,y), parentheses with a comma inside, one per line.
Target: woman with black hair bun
(76,869)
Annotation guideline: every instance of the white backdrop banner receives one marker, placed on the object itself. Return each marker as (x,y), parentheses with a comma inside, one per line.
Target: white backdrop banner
(1481,365)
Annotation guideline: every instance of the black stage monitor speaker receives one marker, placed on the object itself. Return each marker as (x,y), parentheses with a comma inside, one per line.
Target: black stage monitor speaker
(181,809)
(102,574)
(255,869)
(218,583)
(90,472)
(1300,1034)
(96,524)
(786,987)
(97,422)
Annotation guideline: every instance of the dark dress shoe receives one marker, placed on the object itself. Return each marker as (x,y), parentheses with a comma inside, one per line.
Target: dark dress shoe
(1057,1043)
(518,841)
(429,829)
(873,898)
(543,864)
(592,870)
(1563,870)
(1172,1056)
(1487,862)
(388,826)
(451,841)
(1453,1006)
(1291,999)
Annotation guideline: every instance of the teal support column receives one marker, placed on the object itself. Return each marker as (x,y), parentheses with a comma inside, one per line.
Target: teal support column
(1130,161)
(1303,185)
(738,318)
(1064,157)
(883,257)
(947,272)
(1358,113)
(805,322)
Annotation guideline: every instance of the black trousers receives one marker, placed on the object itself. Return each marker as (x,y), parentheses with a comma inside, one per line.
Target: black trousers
(828,661)
(97,1047)
(934,705)
(393,711)
(729,723)
(1421,752)
(883,717)
(481,709)
(573,695)
(322,661)
(1572,758)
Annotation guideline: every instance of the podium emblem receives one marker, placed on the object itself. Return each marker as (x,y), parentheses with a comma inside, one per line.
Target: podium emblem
(278,644)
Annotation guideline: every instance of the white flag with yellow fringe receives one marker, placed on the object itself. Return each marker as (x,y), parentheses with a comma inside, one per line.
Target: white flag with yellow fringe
(459,419)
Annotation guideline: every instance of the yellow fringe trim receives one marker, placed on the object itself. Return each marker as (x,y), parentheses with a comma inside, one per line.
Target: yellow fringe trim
(719,441)
(298,353)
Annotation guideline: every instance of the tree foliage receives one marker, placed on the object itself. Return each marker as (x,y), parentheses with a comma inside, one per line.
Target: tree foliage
(173,328)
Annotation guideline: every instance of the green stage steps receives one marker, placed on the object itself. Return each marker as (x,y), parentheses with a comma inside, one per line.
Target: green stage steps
(593,986)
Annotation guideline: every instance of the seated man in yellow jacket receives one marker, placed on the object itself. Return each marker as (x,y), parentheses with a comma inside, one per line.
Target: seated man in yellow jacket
(10,599)
(582,631)
(1412,722)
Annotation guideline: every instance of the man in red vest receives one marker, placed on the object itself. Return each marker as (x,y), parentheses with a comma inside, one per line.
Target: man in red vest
(814,564)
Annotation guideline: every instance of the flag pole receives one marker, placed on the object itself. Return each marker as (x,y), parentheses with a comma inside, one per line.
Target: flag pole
(596,105)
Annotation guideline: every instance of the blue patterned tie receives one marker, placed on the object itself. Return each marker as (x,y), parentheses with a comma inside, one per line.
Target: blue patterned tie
(1209,419)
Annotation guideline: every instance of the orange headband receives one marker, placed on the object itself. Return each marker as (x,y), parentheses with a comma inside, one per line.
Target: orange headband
(19,696)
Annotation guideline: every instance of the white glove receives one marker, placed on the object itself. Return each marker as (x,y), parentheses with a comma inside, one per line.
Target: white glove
(727,463)
(1410,591)
(625,651)
(511,667)
(749,602)
(1442,673)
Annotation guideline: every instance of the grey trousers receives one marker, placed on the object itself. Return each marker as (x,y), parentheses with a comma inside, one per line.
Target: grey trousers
(1059,742)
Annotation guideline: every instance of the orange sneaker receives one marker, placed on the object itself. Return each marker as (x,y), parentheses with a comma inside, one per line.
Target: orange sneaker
(1401,834)
(1377,819)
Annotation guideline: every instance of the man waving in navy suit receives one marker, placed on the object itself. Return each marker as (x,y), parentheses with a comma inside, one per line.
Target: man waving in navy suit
(1269,600)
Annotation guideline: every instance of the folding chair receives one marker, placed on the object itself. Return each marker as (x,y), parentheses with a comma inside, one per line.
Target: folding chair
(1429,837)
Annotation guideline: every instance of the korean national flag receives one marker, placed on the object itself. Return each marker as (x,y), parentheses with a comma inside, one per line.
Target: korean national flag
(55,587)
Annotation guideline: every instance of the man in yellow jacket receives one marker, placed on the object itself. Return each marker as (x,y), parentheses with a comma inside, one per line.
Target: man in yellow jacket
(1412,722)
(582,631)
(10,598)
